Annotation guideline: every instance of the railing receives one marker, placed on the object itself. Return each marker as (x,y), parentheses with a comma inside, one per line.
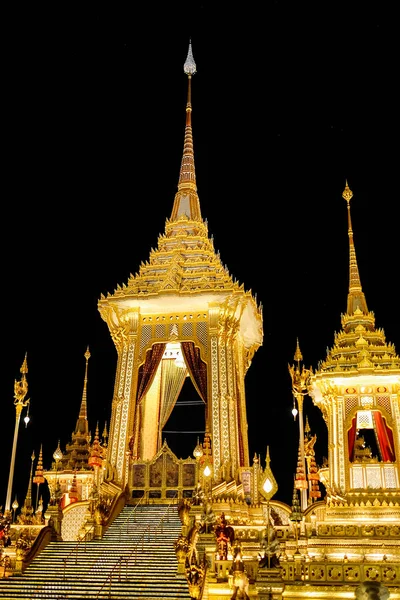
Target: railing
(117,568)
(84,539)
(76,548)
(203,583)
(340,572)
(129,520)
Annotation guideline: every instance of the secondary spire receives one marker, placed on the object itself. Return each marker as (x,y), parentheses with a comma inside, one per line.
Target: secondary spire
(356,299)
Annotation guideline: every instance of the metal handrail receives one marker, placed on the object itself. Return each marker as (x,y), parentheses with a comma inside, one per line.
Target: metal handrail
(75,549)
(86,536)
(133,553)
(128,521)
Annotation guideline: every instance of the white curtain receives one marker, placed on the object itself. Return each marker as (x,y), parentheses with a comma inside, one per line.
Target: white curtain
(172,380)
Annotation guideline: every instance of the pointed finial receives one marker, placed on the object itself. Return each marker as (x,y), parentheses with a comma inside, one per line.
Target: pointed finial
(355,298)
(186,202)
(298,355)
(190,66)
(267,458)
(24,368)
(83,409)
(347,193)
(307,427)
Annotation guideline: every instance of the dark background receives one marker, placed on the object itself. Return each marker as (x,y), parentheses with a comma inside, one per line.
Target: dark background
(289,101)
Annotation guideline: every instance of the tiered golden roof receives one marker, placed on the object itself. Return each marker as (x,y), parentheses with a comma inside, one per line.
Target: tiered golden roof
(359,347)
(185,261)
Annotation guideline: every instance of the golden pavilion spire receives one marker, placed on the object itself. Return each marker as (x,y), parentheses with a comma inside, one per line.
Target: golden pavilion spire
(356,299)
(183,294)
(186,201)
(184,261)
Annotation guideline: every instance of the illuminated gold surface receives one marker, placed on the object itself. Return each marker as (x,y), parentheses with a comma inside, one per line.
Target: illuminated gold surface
(184,293)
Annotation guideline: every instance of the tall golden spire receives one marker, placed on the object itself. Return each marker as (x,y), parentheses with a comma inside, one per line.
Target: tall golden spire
(83,410)
(186,201)
(185,253)
(356,299)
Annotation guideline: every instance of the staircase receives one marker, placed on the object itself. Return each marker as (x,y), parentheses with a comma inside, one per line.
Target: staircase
(134,559)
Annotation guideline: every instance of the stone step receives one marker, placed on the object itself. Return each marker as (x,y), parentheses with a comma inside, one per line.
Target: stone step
(145,566)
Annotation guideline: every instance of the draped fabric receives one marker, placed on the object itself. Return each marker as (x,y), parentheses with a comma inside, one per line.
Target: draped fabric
(351,437)
(197,368)
(384,437)
(172,380)
(148,370)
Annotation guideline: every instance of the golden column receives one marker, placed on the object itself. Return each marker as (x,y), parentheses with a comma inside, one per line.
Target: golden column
(20,391)
(300,382)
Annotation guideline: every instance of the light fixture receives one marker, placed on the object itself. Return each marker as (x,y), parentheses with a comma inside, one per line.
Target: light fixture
(268,485)
(295,412)
(27,417)
(198,451)
(207,471)
(14,506)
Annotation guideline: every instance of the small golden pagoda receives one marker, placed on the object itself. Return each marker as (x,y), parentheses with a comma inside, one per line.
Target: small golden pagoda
(357,388)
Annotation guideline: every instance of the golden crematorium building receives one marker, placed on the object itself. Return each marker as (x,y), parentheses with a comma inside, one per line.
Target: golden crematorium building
(121,497)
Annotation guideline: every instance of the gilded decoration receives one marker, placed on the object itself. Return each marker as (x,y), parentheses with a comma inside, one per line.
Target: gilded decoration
(188,475)
(163,477)
(176,328)
(139,472)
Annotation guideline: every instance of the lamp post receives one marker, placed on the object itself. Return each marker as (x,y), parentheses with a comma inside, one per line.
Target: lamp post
(14,507)
(198,453)
(268,487)
(20,391)
(300,381)
(206,467)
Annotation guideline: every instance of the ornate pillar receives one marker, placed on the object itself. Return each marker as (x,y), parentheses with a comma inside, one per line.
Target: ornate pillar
(123,415)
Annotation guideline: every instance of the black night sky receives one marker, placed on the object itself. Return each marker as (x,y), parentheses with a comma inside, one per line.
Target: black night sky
(288,103)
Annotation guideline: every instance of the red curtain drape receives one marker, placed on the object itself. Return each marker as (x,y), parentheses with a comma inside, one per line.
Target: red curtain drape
(351,436)
(148,370)
(384,437)
(196,367)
